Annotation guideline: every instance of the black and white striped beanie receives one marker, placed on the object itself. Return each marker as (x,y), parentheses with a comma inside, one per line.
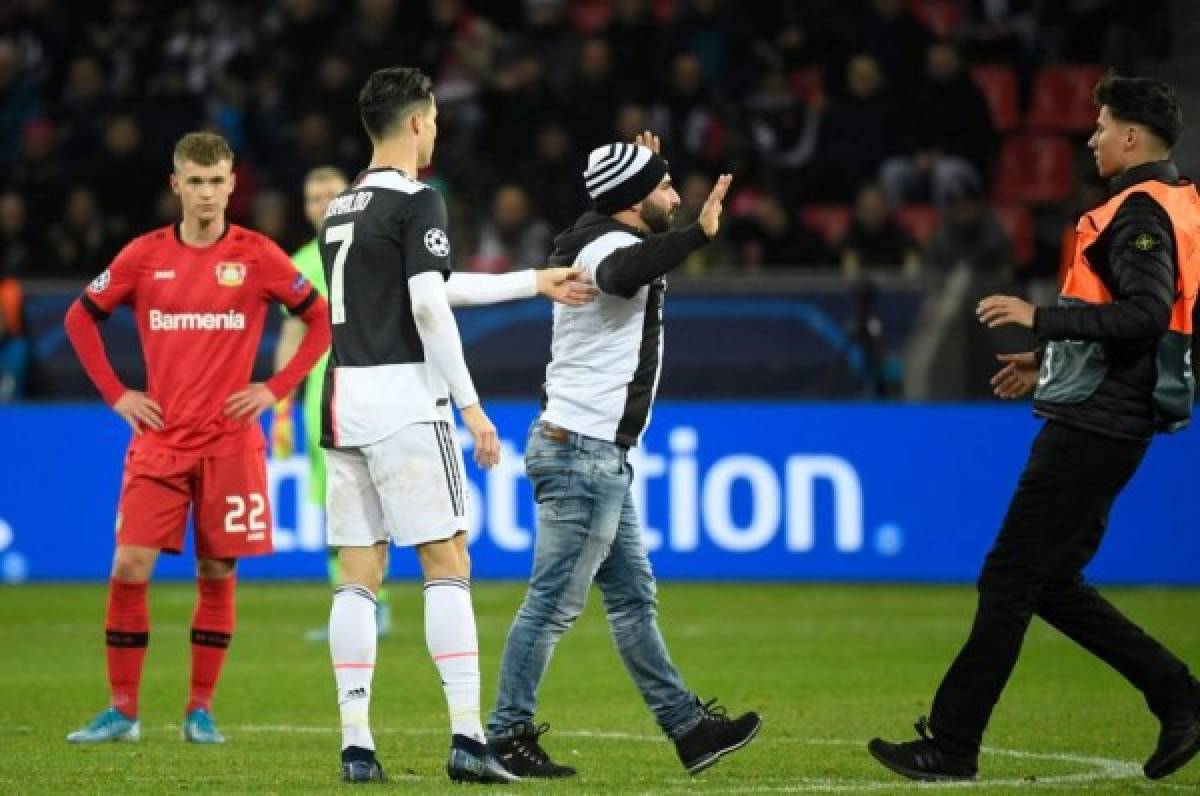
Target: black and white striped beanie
(619,176)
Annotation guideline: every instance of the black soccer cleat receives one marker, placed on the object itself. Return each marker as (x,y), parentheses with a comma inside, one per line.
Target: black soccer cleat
(922,759)
(521,753)
(1178,743)
(474,761)
(359,766)
(715,736)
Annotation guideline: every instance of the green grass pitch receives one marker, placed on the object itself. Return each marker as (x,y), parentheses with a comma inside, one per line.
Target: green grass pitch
(828,666)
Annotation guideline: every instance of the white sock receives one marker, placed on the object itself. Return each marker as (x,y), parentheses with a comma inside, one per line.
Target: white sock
(352,645)
(454,647)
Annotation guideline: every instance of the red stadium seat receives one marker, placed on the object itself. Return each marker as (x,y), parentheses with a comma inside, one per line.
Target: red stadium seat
(1062,98)
(589,17)
(919,221)
(828,221)
(808,83)
(1033,168)
(1018,223)
(942,17)
(999,86)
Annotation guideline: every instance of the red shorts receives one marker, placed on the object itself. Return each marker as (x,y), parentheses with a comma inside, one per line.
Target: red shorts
(228,496)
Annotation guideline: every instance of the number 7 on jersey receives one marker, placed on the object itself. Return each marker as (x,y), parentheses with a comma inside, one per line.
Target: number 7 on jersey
(343,235)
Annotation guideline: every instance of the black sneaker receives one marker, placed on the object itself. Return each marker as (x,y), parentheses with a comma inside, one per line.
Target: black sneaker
(714,737)
(519,751)
(922,759)
(359,766)
(1178,743)
(474,761)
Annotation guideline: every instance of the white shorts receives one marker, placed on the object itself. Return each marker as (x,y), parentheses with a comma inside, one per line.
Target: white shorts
(408,486)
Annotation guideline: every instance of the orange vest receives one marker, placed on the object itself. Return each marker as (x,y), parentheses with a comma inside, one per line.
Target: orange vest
(1071,369)
(1183,206)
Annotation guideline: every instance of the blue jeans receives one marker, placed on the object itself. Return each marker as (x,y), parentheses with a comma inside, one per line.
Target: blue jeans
(587,530)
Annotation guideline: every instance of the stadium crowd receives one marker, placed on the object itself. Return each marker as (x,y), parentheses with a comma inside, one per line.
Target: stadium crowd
(862,133)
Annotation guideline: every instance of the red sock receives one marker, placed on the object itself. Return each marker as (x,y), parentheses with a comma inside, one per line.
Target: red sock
(127,626)
(212,627)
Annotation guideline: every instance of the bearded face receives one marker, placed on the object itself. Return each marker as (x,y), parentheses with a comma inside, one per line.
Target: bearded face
(656,215)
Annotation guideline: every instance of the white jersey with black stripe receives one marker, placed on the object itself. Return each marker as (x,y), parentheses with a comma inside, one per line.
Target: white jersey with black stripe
(606,356)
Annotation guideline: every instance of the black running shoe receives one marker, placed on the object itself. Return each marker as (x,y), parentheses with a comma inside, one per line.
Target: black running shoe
(922,759)
(715,736)
(1178,743)
(474,761)
(359,766)
(521,753)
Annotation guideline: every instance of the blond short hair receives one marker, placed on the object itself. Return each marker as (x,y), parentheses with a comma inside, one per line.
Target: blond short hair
(203,149)
(323,173)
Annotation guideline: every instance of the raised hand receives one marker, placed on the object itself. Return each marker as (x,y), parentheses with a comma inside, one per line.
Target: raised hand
(569,286)
(487,442)
(249,402)
(710,213)
(648,140)
(139,411)
(1018,377)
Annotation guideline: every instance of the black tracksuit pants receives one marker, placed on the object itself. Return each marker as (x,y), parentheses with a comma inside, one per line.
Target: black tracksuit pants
(1051,531)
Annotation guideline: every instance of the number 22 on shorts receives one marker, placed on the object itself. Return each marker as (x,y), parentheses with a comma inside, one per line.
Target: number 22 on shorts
(238,520)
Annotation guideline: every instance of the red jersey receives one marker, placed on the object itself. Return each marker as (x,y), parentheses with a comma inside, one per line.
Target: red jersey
(200,315)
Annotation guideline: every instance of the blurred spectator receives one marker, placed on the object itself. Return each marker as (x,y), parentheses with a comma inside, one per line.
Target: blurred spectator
(371,34)
(592,96)
(770,237)
(83,241)
(784,129)
(857,133)
(81,108)
(269,216)
(895,38)
(23,250)
(948,135)
(293,31)
(874,239)
(633,35)
(684,117)
(1000,30)
(716,34)
(970,235)
(519,93)
(20,101)
(513,237)
(547,38)
(14,347)
(126,178)
(716,255)
(553,177)
(40,175)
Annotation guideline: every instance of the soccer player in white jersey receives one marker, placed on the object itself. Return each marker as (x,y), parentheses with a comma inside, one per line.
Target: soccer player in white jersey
(394,465)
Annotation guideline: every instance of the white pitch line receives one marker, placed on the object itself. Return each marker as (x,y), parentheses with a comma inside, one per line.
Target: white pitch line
(1105,769)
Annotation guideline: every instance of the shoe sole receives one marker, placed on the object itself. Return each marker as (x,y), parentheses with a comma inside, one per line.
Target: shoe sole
(920,776)
(1177,761)
(126,738)
(715,757)
(464,778)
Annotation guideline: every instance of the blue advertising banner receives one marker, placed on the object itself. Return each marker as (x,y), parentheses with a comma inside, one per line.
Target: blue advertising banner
(773,491)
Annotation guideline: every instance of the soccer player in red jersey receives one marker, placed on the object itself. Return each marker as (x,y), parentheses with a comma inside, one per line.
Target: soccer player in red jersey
(200,292)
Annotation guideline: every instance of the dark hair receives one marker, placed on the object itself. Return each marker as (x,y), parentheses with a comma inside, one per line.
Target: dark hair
(387,94)
(1144,101)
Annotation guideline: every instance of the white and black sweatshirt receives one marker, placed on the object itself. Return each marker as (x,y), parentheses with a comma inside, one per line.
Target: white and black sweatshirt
(606,356)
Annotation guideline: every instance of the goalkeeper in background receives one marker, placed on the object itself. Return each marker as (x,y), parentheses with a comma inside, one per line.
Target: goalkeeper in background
(320,186)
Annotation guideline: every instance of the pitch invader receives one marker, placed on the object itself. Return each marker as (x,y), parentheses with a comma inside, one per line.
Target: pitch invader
(200,292)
